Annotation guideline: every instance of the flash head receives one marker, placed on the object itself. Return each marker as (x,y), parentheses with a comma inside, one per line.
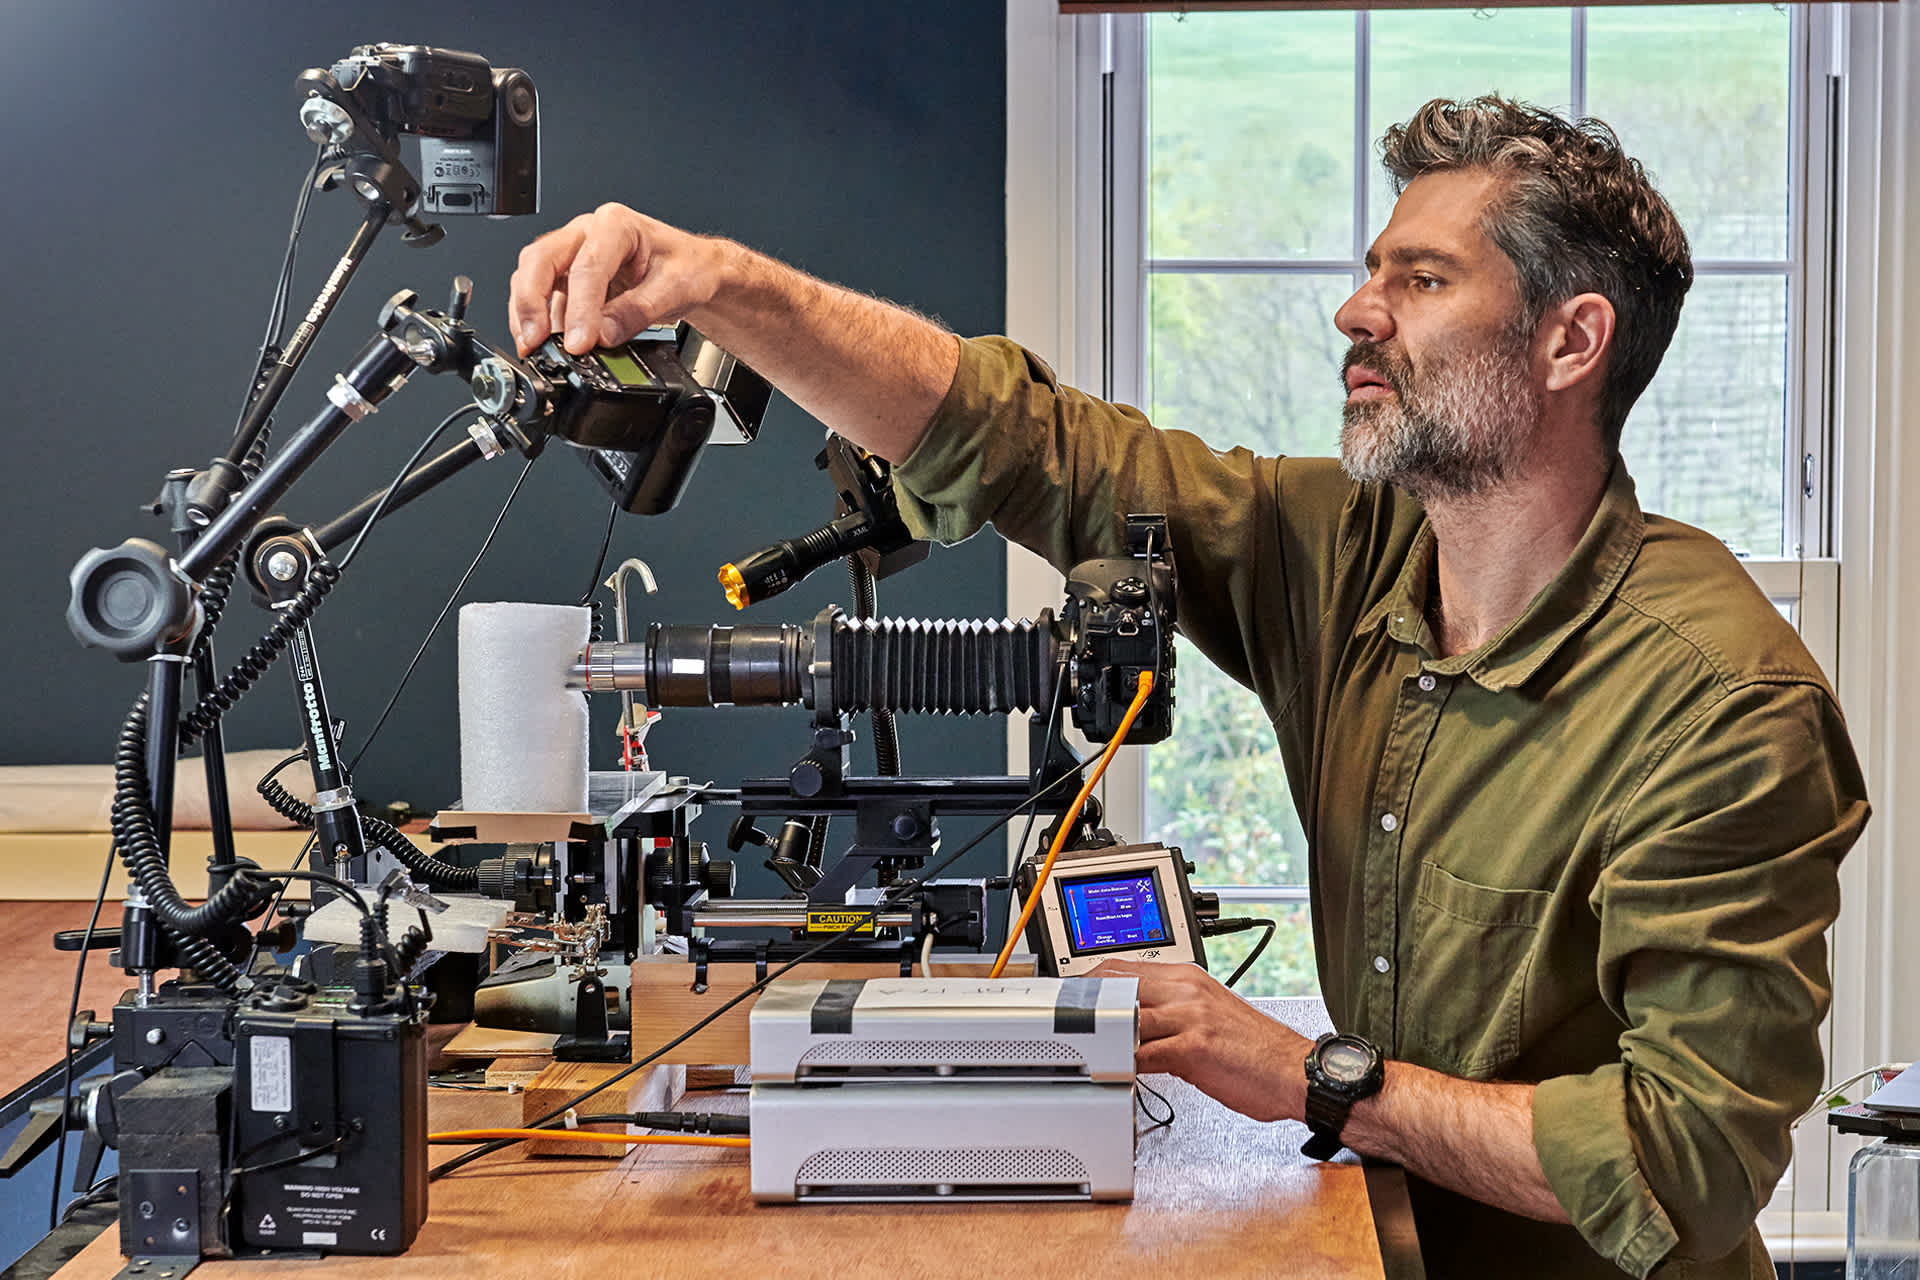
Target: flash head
(639,414)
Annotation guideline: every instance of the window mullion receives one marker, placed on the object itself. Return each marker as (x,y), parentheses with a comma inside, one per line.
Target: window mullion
(1362,110)
(1578,61)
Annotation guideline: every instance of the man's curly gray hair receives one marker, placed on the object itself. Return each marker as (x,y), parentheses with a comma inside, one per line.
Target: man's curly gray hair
(1574,213)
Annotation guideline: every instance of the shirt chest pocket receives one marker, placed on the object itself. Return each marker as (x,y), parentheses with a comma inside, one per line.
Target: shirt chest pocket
(1462,997)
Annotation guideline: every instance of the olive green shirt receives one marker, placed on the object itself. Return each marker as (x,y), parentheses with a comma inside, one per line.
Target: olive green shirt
(1598,853)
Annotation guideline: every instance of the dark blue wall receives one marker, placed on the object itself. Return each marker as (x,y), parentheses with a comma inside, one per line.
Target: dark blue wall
(152,157)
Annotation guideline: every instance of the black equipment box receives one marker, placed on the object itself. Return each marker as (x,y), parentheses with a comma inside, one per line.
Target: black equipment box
(330,1129)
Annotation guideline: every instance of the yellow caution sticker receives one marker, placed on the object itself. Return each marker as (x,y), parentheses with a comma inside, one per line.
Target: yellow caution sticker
(835,920)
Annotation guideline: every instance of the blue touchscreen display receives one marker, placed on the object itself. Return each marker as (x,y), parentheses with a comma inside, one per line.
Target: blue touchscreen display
(1114,912)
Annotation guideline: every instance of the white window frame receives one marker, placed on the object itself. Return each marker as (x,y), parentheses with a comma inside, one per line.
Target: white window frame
(1855,369)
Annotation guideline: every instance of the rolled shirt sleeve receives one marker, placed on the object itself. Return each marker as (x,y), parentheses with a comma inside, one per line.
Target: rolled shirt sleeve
(1058,471)
(1712,912)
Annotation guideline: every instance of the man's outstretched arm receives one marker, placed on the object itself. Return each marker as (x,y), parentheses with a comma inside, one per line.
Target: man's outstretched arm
(871,371)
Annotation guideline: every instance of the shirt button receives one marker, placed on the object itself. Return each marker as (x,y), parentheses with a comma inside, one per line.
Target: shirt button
(1380,964)
(1426,684)
(1388,822)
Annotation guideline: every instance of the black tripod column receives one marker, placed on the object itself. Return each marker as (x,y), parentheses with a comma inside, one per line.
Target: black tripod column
(177,499)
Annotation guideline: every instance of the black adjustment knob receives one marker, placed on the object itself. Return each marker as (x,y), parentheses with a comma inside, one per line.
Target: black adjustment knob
(717,877)
(128,600)
(462,295)
(83,1030)
(1206,905)
(807,778)
(798,875)
(105,938)
(398,305)
(743,833)
(494,878)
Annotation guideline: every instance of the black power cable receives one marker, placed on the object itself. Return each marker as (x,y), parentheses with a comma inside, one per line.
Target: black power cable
(283,289)
(1157,1122)
(600,562)
(1239,924)
(380,507)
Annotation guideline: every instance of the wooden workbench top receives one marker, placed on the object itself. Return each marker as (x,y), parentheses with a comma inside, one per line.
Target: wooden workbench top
(1216,1195)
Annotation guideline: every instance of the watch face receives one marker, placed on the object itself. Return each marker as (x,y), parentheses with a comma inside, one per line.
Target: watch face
(1344,1062)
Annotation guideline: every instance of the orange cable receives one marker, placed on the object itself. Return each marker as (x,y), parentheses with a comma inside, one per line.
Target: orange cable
(1066,822)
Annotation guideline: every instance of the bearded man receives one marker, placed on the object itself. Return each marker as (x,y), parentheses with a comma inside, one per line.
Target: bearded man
(1575,795)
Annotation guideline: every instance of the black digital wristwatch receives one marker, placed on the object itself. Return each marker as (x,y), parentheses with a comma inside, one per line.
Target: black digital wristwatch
(1341,1070)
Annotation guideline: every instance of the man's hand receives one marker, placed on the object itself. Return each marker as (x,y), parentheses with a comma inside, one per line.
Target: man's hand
(1196,1029)
(1475,1137)
(872,371)
(607,275)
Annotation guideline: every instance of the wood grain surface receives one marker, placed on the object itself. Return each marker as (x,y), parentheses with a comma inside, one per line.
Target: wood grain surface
(36,983)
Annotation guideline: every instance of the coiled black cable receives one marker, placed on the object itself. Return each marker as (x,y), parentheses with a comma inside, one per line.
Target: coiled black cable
(409,949)
(136,837)
(441,875)
(219,582)
(216,702)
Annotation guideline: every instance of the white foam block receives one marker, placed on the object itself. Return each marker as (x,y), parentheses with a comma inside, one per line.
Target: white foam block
(463,926)
(523,733)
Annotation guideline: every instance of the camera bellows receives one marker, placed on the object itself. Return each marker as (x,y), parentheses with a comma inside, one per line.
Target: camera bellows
(523,735)
(954,667)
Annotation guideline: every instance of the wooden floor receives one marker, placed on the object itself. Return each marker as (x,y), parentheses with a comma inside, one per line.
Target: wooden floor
(36,984)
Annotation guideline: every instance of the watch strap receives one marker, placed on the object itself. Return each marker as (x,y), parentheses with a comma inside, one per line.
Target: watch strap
(1326,1116)
(1321,1146)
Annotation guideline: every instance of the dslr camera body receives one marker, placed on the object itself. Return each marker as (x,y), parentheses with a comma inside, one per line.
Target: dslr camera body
(478,125)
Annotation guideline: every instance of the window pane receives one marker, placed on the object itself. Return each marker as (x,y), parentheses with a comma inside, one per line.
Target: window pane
(1285,968)
(1700,96)
(1250,135)
(1218,791)
(1706,443)
(1247,359)
(1521,53)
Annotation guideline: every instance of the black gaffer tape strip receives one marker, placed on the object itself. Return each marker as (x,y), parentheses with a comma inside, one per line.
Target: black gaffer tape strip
(833,1007)
(1073,1010)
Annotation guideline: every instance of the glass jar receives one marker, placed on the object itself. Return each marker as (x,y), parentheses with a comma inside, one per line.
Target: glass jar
(1883,1212)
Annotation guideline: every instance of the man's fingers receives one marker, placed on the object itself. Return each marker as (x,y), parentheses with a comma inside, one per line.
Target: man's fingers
(612,247)
(1119,969)
(542,265)
(1169,1055)
(1157,1022)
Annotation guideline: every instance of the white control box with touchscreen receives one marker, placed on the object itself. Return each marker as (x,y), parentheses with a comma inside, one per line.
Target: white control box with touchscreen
(1128,901)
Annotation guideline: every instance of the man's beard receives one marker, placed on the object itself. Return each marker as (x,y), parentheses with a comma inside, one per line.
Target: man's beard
(1454,430)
